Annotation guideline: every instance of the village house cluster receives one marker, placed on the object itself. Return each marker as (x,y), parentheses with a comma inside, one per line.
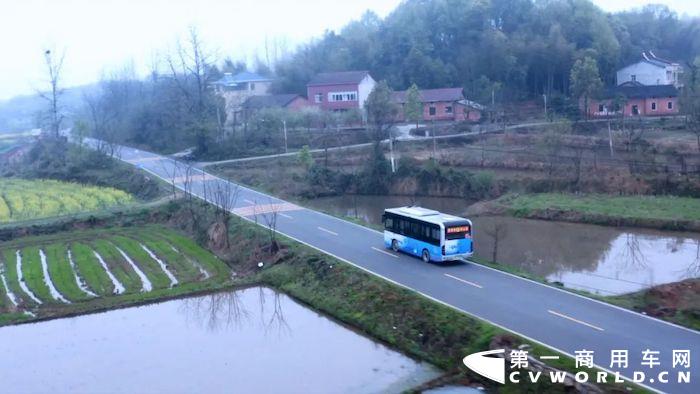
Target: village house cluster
(248,92)
(649,87)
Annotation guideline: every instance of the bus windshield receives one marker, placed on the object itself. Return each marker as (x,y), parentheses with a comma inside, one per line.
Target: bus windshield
(457,232)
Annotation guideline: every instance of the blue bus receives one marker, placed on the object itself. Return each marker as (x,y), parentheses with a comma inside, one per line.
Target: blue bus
(429,234)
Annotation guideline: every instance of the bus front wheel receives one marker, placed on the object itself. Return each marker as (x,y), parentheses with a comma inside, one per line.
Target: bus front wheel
(394,245)
(426,256)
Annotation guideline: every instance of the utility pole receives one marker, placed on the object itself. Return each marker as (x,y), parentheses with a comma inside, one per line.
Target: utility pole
(612,152)
(284,127)
(391,151)
(434,141)
(545,105)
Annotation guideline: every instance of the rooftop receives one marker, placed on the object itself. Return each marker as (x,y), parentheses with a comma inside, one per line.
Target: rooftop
(639,91)
(651,58)
(426,215)
(274,100)
(232,80)
(432,95)
(338,78)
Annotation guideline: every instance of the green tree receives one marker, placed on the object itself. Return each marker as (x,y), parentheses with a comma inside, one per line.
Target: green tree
(304,157)
(585,80)
(381,110)
(413,109)
(381,114)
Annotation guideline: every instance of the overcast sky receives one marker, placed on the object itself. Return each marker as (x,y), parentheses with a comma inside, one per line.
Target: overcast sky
(100,36)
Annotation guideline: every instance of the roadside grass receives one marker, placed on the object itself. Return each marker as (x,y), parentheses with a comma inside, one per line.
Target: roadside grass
(118,266)
(133,249)
(642,207)
(90,270)
(33,274)
(683,297)
(4,298)
(62,273)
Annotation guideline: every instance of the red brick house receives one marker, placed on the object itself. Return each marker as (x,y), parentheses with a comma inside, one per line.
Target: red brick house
(638,99)
(340,91)
(446,104)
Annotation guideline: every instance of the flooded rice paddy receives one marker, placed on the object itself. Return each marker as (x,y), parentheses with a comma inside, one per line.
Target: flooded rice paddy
(598,259)
(253,340)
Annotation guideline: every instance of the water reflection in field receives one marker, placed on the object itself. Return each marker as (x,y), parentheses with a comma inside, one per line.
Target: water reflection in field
(603,260)
(254,340)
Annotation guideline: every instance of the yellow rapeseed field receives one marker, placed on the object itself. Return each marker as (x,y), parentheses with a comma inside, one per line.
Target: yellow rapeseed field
(22,199)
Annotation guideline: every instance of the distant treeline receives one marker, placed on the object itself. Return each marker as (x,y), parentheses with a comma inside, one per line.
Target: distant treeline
(515,48)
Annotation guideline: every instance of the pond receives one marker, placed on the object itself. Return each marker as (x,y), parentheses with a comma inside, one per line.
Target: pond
(252,340)
(598,259)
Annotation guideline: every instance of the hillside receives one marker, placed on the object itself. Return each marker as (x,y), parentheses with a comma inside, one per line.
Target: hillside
(515,48)
(22,113)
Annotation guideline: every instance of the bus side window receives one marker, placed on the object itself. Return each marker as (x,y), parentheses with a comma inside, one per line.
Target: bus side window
(402,226)
(436,235)
(388,223)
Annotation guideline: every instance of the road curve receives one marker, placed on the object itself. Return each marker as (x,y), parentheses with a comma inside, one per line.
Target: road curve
(563,321)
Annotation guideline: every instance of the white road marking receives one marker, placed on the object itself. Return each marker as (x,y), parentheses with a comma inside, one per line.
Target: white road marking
(478,286)
(284,215)
(326,230)
(575,320)
(248,201)
(385,252)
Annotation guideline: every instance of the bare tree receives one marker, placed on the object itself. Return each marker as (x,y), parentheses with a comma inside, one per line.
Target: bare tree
(218,310)
(270,218)
(224,195)
(54,66)
(190,67)
(497,232)
(277,321)
(171,176)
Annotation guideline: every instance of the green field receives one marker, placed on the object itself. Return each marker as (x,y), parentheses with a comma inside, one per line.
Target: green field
(84,270)
(641,207)
(23,199)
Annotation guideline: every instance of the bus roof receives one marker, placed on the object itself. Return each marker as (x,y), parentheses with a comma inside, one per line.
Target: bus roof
(427,215)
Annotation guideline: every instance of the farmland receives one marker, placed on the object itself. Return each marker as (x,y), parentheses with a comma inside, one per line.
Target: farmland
(23,199)
(81,271)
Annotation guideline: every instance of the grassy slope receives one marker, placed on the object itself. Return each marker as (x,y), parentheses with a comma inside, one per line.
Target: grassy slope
(62,273)
(90,269)
(33,274)
(149,267)
(121,269)
(194,251)
(11,277)
(82,243)
(177,263)
(645,207)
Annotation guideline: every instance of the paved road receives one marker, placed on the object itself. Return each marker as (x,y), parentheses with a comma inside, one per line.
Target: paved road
(558,319)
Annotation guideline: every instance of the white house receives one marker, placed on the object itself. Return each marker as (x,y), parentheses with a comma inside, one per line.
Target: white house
(236,89)
(651,70)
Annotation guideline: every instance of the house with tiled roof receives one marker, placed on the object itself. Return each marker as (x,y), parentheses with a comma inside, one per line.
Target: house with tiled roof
(651,70)
(446,104)
(340,91)
(288,101)
(237,88)
(635,99)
